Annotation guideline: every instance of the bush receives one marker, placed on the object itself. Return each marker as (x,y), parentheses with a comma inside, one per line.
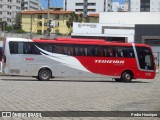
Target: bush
(8,28)
(20,31)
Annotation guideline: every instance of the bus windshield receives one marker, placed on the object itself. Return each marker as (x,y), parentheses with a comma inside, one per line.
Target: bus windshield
(145,58)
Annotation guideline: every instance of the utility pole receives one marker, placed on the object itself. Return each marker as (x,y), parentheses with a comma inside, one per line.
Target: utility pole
(31,26)
(49,27)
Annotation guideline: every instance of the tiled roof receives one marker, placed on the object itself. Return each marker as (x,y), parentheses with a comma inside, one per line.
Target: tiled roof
(45,12)
(93,15)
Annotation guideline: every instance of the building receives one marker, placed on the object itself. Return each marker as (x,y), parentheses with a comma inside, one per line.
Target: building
(144,5)
(37,22)
(30,5)
(127,5)
(115,6)
(88,6)
(93,18)
(8,10)
(133,27)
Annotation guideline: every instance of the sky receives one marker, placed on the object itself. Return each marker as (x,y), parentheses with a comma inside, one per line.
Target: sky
(53,3)
(59,3)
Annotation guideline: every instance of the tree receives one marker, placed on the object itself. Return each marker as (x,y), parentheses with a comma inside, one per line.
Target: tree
(18,21)
(17,26)
(74,18)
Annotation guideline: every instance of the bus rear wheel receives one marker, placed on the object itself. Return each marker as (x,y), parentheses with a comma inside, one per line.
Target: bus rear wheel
(44,74)
(127,76)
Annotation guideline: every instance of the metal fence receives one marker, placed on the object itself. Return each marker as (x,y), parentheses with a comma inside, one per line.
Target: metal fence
(28,35)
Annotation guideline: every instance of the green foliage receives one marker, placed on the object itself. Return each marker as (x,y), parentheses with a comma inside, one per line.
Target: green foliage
(8,28)
(74,18)
(18,21)
(20,31)
(17,27)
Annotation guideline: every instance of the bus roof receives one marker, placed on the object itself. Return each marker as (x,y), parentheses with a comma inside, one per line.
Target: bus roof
(76,41)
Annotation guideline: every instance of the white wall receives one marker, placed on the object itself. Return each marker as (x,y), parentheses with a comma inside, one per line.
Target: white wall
(155,5)
(135,5)
(96,29)
(86,28)
(130,18)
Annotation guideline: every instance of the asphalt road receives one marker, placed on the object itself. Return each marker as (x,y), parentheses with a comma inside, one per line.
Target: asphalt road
(79,94)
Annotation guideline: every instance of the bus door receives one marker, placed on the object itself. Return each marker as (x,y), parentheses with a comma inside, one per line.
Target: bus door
(145,58)
(15,58)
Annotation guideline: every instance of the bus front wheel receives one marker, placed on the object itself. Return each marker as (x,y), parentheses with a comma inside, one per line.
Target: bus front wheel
(44,74)
(127,76)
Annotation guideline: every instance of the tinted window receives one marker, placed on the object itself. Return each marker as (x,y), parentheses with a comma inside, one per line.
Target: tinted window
(126,52)
(72,50)
(145,58)
(23,48)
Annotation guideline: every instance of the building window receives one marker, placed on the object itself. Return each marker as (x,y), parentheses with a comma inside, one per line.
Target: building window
(39,16)
(45,31)
(39,23)
(18,1)
(145,6)
(8,13)
(45,16)
(45,24)
(18,8)
(57,16)
(79,4)
(91,4)
(9,6)
(91,10)
(79,10)
(9,20)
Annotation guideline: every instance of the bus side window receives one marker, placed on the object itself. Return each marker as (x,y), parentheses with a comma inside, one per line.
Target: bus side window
(79,52)
(89,51)
(27,48)
(54,50)
(119,52)
(70,51)
(102,52)
(129,52)
(13,47)
(111,52)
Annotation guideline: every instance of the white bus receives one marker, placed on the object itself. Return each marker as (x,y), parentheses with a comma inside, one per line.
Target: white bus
(65,57)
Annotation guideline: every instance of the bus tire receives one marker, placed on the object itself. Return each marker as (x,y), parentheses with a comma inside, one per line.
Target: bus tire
(118,79)
(44,74)
(127,76)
